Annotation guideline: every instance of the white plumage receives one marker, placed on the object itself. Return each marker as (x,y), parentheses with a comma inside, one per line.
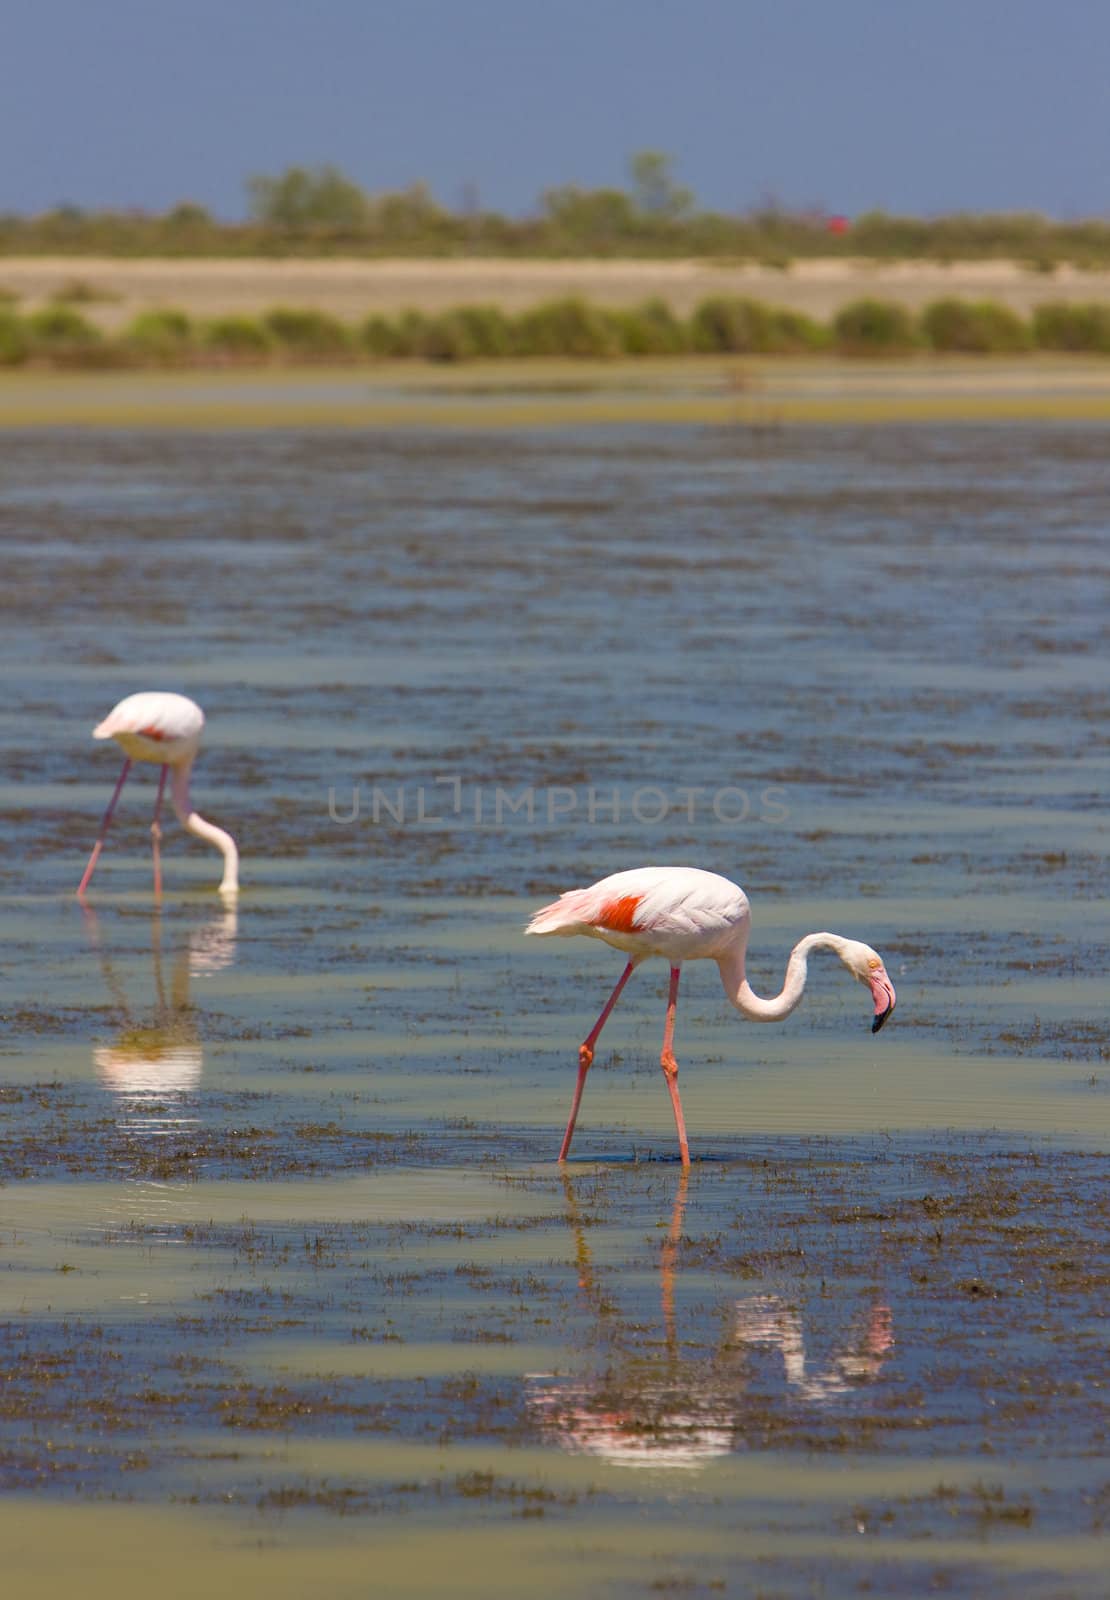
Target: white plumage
(154,726)
(679,912)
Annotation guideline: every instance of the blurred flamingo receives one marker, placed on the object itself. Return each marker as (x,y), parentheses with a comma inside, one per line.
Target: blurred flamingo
(684,914)
(164,729)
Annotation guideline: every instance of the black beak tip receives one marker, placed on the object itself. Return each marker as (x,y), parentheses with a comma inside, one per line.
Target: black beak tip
(880,1018)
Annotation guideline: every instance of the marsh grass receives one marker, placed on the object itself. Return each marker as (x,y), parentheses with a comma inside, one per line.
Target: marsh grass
(569,328)
(15,343)
(724,326)
(243,339)
(1072,327)
(309,335)
(652,329)
(161,337)
(57,335)
(974,328)
(472,333)
(59,325)
(875,327)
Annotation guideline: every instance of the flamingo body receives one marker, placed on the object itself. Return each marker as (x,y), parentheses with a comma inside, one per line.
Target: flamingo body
(685,914)
(679,913)
(163,729)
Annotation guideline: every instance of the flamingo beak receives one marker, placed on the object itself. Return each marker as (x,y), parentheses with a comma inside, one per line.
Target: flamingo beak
(882,992)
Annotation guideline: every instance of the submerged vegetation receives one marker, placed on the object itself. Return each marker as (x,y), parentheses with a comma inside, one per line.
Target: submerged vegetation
(323,212)
(58,335)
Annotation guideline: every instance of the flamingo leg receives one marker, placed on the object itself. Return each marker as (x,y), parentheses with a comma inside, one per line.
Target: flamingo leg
(156,834)
(586,1055)
(667,1264)
(670,1066)
(99,845)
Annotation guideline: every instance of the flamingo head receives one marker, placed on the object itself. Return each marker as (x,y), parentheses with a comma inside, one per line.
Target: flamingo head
(867,966)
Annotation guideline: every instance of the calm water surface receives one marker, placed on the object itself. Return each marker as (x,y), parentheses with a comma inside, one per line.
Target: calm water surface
(292,1291)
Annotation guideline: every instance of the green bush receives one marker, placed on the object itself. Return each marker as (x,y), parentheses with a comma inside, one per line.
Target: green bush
(651,329)
(745,327)
(873,327)
(469,333)
(379,337)
(487,328)
(237,338)
(795,333)
(56,325)
(160,335)
(15,346)
(565,328)
(400,340)
(1066,327)
(981,327)
(447,338)
(726,326)
(411,330)
(311,335)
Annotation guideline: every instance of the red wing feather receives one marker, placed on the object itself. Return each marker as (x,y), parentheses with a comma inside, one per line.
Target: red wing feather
(619,916)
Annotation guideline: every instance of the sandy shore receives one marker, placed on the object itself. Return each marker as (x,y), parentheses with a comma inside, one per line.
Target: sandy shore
(354,288)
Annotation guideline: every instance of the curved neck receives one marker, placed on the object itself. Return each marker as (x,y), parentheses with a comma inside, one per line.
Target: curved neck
(194,823)
(744,998)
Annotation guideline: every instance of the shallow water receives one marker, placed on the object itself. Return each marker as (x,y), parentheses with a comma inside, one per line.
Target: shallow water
(287,1263)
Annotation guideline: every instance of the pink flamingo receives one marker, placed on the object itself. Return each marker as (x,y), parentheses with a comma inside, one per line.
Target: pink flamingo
(684,914)
(164,729)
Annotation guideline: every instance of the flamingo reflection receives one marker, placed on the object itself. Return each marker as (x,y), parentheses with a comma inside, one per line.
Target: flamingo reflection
(765,1319)
(155,1061)
(653,1403)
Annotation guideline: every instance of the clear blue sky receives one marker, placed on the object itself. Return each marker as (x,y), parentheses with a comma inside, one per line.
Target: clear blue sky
(918,107)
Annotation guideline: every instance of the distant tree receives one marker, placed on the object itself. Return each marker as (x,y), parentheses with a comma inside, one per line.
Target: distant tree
(589,215)
(407,213)
(303,200)
(654,191)
(188,215)
(66,219)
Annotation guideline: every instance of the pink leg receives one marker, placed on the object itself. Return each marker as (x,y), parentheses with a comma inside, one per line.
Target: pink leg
(667,1263)
(156,835)
(99,845)
(670,1066)
(586,1055)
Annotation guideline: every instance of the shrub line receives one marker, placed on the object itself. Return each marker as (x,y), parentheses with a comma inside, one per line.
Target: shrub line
(58,335)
